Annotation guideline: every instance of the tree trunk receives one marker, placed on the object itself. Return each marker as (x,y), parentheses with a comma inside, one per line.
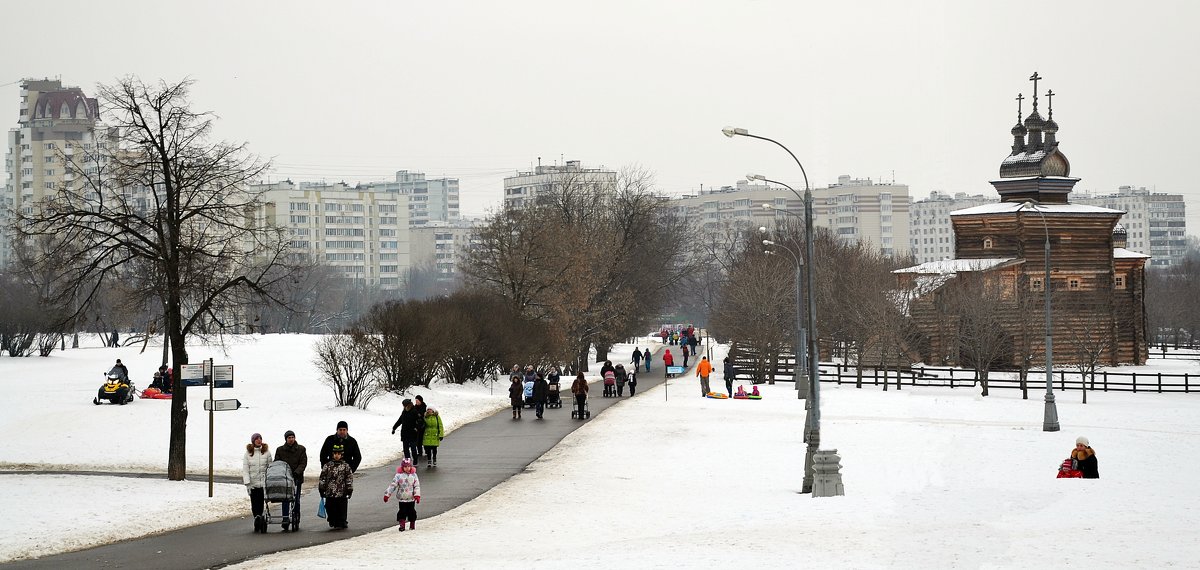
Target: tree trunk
(983,380)
(177,453)
(583,357)
(602,352)
(1024,376)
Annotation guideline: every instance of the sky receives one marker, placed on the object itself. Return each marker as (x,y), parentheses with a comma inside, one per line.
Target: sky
(934,477)
(917,92)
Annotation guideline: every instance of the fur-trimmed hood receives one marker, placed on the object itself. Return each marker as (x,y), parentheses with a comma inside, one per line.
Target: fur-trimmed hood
(250,448)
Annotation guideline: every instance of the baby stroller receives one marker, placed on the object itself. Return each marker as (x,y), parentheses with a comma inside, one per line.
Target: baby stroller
(553,400)
(610,384)
(575,413)
(281,488)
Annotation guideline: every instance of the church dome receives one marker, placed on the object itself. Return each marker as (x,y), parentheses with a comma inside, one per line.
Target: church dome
(1034,121)
(1019,130)
(1050,126)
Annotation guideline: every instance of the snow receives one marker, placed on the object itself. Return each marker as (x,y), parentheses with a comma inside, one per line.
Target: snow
(1012,207)
(952,266)
(1122,253)
(934,477)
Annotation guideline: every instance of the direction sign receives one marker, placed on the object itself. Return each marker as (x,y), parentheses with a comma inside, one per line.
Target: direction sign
(192,374)
(674,370)
(222,405)
(223,376)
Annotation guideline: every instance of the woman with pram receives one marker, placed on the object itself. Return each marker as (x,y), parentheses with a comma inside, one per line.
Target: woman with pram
(579,388)
(254,475)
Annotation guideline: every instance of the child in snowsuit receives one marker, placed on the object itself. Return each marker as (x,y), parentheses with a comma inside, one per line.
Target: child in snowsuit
(433,436)
(407,489)
(336,486)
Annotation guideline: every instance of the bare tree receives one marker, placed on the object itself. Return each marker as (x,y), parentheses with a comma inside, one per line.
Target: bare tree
(976,302)
(162,196)
(349,366)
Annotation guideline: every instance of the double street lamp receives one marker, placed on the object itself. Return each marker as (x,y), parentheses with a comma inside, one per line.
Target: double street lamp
(831,480)
(1050,419)
(802,362)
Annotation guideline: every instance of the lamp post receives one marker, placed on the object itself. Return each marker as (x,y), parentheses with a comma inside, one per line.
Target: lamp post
(801,371)
(1050,421)
(830,480)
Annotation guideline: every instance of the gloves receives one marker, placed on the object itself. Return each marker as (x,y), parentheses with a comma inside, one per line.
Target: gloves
(418,499)
(385,498)
(393,432)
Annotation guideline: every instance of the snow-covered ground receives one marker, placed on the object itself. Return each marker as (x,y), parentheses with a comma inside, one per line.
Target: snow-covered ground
(934,477)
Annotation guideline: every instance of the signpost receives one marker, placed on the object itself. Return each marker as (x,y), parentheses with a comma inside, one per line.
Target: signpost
(673,370)
(206,374)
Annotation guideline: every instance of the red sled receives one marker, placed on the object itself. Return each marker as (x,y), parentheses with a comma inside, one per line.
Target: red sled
(1066,472)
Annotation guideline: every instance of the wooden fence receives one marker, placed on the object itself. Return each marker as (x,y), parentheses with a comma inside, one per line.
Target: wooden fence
(1064,380)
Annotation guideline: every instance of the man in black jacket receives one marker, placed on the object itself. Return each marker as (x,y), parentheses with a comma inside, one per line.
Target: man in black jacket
(410,423)
(541,391)
(351,456)
(297,458)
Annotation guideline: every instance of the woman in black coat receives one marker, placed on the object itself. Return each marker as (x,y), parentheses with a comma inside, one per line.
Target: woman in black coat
(1084,458)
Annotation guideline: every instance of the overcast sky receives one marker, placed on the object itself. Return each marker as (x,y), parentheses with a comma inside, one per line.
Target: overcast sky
(919,91)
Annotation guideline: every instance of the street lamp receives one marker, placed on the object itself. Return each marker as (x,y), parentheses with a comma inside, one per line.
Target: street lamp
(801,370)
(831,482)
(1050,421)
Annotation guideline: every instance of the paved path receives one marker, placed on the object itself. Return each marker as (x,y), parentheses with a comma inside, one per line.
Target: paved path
(473,459)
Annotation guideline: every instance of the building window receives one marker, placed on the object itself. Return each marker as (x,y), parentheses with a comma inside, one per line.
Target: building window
(987,243)
(1035,284)
(1119,282)
(1073,283)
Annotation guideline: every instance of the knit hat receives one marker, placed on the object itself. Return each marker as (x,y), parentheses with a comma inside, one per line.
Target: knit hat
(288,433)
(337,448)
(343,424)
(255,436)
(1082,440)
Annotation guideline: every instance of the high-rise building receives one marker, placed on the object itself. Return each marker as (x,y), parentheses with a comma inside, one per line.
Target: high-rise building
(931,233)
(855,210)
(57,141)
(524,188)
(1154,223)
(430,199)
(362,232)
(440,246)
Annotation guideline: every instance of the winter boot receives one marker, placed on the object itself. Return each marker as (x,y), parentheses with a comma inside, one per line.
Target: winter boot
(514,414)
(411,524)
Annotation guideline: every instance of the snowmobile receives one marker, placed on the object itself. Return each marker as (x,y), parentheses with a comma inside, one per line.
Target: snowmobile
(116,390)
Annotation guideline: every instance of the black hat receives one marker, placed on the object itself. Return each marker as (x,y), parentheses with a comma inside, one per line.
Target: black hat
(288,433)
(337,448)
(343,424)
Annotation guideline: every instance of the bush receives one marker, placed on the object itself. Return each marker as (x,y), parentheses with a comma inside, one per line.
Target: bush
(348,364)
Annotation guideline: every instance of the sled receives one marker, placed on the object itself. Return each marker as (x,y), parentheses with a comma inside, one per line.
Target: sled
(718,395)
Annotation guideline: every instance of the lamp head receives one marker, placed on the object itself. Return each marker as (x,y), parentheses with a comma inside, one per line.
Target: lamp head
(755,177)
(768,242)
(768,206)
(762,229)
(733,131)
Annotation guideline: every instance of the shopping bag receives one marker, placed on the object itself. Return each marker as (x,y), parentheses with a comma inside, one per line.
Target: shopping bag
(321,508)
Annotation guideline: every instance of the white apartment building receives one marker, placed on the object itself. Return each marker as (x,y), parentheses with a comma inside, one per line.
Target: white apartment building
(1155,223)
(430,199)
(362,232)
(58,133)
(856,210)
(931,233)
(523,188)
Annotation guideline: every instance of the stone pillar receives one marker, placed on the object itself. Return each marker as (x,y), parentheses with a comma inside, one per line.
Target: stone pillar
(827,476)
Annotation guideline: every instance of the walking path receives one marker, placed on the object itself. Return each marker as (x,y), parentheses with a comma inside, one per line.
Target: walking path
(475,458)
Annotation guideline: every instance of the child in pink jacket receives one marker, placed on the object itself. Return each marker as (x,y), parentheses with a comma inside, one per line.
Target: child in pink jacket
(406,487)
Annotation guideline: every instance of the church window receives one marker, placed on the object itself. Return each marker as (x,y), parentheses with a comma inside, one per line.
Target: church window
(1073,283)
(987,243)
(1119,282)
(1035,284)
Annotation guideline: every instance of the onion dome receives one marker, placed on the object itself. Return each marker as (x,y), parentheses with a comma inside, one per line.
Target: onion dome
(1034,121)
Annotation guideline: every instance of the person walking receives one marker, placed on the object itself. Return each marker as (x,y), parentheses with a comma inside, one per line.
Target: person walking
(1084,458)
(646,356)
(349,446)
(632,381)
(410,423)
(336,485)
(728,373)
(420,407)
(541,391)
(703,370)
(254,475)
(434,432)
(579,388)
(683,348)
(516,396)
(622,379)
(406,487)
(693,341)
(668,362)
(296,457)
(637,358)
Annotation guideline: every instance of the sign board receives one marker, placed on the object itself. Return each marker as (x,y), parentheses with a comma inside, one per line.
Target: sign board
(192,374)
(674,370)
(223,376)
(222,405)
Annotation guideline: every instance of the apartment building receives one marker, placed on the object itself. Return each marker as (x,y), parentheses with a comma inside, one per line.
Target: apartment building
(360,231)
(1154,222)
(931,235)
(430,199)
(58,139)
(441,246)
(524,188)
(855,210)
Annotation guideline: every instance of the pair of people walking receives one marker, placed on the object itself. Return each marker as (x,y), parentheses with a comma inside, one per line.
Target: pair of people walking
(421,429)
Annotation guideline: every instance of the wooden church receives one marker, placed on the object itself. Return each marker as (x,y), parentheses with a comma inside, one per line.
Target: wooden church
(998,276)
